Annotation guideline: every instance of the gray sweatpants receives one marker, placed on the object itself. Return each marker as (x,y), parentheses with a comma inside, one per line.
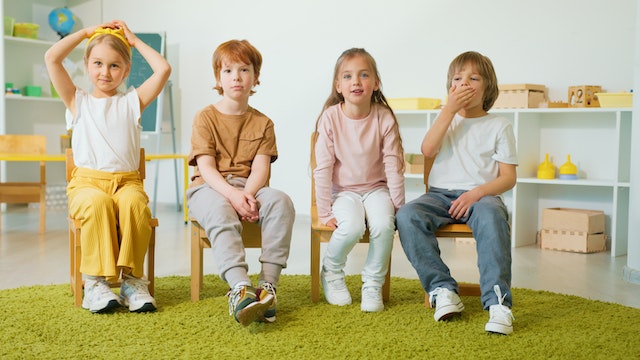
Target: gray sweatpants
(223,227)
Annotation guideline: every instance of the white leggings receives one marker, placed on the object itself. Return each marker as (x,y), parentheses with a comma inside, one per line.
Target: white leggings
(353,212)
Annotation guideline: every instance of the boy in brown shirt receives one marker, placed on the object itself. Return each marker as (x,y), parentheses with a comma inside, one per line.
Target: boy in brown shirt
(232,147)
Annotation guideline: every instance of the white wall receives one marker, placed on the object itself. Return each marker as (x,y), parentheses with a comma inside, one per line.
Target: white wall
(632,270)
(556,43)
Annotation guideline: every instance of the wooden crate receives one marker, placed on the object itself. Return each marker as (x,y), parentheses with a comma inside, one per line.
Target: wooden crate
(520,96)
(584,96)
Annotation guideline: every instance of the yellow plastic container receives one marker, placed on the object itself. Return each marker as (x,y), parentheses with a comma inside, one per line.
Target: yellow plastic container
(615,100)
(26,30)
(546,169)
(568,170)
(414,103)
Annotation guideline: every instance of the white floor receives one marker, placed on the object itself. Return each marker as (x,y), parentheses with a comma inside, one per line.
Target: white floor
(29,259)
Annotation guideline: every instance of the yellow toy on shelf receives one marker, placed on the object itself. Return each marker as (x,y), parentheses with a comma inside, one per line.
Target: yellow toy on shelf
(546,169)
(568,171)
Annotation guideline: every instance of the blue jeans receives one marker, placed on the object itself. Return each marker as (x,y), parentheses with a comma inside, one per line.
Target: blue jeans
(488,218)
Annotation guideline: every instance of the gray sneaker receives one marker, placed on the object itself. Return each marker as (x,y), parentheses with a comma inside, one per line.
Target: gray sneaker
(98,297)
(500,316)
(446,302)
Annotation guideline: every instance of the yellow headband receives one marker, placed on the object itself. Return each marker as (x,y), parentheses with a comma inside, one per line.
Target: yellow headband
(119,33)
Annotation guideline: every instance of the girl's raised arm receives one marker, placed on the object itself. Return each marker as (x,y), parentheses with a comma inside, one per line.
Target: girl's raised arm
(59,76)
(152,87)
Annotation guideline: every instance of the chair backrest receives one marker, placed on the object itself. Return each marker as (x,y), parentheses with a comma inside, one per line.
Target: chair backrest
(23,144)
(70,165)
(428,164)
(314,138)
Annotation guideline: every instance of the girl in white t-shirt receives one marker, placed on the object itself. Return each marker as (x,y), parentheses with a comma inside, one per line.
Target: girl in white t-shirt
(106,191)
(359,179)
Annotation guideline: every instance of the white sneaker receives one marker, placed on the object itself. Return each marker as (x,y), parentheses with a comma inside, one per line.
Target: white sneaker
(500,316)
(447,303)
(335,289)
(134,293)
(98,296)
(371,299)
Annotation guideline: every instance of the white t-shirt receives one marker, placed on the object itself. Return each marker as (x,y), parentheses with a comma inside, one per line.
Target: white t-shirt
(106,131)
(471,150)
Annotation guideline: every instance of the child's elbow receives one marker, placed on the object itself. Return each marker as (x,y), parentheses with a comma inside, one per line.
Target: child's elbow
(165,71)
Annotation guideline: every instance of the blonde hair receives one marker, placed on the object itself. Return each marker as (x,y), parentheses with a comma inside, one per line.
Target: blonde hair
(113,42)
(236,51)
(485,68)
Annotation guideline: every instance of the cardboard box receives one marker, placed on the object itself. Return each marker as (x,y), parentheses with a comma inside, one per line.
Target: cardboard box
(520,96)
(414,163)
(575,230)
(414,103)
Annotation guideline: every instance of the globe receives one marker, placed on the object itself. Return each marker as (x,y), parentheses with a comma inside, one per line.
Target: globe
(62,20)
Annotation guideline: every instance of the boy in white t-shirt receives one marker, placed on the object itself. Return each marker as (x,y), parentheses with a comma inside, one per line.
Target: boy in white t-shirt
(475,162)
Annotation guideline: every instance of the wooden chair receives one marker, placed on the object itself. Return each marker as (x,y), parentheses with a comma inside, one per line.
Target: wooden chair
(450,231)
(26,192)
(75,249)
(321,233)
(251,238)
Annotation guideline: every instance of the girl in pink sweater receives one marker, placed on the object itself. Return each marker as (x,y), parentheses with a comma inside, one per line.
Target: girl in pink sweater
(358,177)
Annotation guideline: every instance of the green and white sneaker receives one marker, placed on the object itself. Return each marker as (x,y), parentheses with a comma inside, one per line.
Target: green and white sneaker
(245,305)
(263,291)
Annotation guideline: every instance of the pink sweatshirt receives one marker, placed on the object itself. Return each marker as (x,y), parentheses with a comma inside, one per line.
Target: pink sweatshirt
(357,155)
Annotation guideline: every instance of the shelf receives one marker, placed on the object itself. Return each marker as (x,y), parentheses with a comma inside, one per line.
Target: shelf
(19,40)
(578,182)
(32,98)
(598,141)
(414,176)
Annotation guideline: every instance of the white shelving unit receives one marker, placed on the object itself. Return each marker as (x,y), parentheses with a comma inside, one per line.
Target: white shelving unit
(23,64)
(599,142)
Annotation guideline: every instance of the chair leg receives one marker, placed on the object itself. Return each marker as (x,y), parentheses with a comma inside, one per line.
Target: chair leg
(196,263)
(151,257)
(43,213)
(386,288)
(315,266)
(75,253)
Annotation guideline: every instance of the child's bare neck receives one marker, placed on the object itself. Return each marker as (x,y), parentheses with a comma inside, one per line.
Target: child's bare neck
(230,107)
(472,113)
(356,112)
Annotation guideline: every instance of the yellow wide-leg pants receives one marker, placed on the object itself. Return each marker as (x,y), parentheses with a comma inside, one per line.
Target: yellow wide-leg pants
(115,221)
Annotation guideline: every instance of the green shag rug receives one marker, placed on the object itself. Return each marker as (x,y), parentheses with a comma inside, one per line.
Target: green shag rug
(40,322)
